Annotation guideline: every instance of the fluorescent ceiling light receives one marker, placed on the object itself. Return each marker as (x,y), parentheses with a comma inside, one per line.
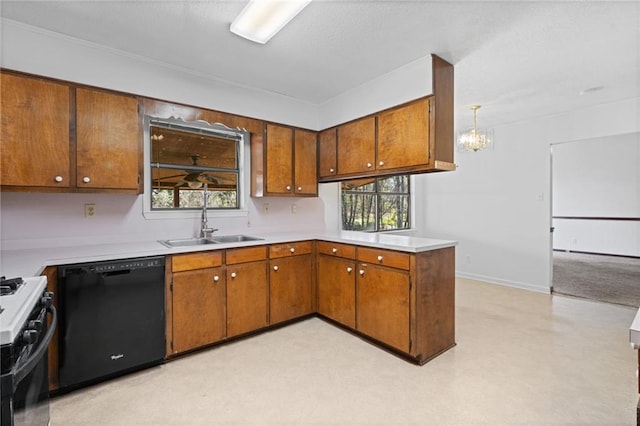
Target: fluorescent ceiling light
(262,19)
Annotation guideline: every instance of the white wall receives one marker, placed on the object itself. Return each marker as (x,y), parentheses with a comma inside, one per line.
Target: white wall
(497,203)
(597,178)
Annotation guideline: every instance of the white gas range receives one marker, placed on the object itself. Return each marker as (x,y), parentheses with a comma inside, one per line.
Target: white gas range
(25,333)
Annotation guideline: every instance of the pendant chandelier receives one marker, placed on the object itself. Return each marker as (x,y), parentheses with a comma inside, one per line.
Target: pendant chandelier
(475,139)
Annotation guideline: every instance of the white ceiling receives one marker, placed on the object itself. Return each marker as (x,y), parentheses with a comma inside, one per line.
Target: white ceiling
(518,59)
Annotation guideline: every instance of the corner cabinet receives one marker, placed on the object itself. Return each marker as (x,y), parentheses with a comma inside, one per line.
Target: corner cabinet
(284,163)
(415,137)
(57,137)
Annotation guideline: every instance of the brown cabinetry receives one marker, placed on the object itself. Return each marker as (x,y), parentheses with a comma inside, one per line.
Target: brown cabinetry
(198,300)
(290,281)
(247,290)
(35,132)
(57,137)
(108,151)
(416,137)
(337,282)
(327,151)
(288,163)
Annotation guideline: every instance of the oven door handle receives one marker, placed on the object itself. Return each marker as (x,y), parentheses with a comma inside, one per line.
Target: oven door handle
(23,370)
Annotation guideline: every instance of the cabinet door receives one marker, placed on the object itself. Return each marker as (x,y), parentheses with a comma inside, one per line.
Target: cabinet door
(382,305)
(108,140)
(327,151)
(337,289)
(403,136)
(199,316)
(357,146)
(279,158)
(290,288)
(305,163)
(246,297)
(35,132)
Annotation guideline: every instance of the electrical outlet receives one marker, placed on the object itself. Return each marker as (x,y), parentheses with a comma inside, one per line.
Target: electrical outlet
(467,259)
(294,208)
(90,210)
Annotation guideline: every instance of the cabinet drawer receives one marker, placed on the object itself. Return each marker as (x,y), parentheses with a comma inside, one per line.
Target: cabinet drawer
(246,254)
(389,258)
(336,249)
(290,249)
(187,262)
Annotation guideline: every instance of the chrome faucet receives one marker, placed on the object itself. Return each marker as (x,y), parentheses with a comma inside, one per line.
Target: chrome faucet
(205,231)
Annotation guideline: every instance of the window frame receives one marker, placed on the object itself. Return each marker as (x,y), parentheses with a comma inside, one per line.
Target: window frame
(243,146)
(377,194)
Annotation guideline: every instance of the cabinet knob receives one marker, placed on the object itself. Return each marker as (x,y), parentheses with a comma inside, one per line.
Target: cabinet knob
(275,268)
(86,179)
(379,258)
(361,271)
(381,163)
(216,278)
(58,178)
(233,275)
(288,188)
(349,269)
(369,165)
(299,188)
(292,250)
(331,170)
(334,250)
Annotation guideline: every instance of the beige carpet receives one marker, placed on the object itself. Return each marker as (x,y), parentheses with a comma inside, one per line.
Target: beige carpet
(611,279)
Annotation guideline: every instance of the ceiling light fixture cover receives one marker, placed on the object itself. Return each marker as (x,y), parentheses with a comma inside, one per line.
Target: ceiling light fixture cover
(262,19)
(475,139)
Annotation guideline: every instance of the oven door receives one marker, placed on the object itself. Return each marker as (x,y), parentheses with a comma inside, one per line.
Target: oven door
(25,389)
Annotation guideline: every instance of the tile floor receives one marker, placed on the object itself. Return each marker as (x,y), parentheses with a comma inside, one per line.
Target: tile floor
(522,358)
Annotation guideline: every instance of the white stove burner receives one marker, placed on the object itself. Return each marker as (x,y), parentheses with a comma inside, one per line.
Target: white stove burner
(16,307)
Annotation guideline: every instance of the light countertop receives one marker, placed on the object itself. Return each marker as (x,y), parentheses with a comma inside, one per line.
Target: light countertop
(32,262)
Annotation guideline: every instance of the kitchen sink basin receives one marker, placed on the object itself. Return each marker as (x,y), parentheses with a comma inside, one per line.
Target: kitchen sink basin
(220,239)
(187,242)
(234,238)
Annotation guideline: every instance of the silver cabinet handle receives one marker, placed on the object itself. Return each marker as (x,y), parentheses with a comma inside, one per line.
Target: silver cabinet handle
(361,271)
(369,165)
(299,188)
(275,268)
(379,258)
(288,188)
(233,275)
(349,269)
(331,170)
(58,178)
(216,278)
(86,179)
(334,250)
(381,163)
(292,250)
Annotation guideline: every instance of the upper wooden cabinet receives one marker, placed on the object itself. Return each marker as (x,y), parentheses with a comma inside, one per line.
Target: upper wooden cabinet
(285,164)
(416,137)
(57,137)
(35,132)
(107,140)
(327,150)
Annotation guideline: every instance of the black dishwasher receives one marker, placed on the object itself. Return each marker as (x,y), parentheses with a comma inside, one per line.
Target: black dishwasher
(112,319)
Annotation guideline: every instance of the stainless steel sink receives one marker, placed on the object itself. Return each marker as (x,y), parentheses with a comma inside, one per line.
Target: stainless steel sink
(239,238)
(220,239)
(187,242)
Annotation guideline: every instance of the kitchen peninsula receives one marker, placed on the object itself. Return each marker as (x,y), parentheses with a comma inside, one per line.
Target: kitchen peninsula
(395,291)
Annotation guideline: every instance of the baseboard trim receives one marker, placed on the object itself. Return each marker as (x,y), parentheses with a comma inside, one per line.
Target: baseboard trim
(505,283)
(597,253)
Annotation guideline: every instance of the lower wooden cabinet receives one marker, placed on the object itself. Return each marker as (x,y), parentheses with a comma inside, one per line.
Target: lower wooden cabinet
(247,290)
(382,305)
(337,289)
(199,311)
(290,288)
